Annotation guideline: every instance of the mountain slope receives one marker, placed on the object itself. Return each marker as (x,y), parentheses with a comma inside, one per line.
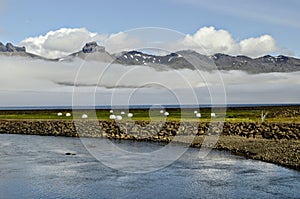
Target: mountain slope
(184,59)
(92,52)
(193,60)
(11,50)
(263,64)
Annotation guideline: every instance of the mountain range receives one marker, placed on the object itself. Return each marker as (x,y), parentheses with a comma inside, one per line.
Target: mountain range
(185,59)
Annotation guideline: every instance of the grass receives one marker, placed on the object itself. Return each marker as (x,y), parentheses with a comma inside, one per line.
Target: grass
(249,114)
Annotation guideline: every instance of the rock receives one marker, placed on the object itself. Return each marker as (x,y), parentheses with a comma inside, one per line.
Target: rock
(68,153)
(92,47)
(2,47)
(9,47)
(267,135)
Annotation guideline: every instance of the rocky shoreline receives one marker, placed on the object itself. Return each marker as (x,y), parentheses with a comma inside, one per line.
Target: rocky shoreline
(277,143)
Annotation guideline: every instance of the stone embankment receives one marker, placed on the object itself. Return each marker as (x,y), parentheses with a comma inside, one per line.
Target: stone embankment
(155,130)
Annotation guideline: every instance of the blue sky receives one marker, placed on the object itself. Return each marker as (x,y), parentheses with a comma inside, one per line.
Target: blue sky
(57,28)
(242,18)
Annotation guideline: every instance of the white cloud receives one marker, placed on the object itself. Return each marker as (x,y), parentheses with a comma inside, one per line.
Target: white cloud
(208,40)
(60,42)
(121,42)
(258,46)
(64,41)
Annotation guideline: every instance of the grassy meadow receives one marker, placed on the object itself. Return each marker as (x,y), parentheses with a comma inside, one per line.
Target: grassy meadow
(246,114)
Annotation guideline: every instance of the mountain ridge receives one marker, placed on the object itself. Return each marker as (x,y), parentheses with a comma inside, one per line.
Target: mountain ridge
(184,59)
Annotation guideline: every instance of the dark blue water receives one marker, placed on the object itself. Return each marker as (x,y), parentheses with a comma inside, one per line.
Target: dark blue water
(37,167)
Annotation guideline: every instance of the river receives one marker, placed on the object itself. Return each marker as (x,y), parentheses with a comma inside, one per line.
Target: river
(38,167)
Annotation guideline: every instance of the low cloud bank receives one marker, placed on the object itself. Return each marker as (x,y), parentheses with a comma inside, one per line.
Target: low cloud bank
(37,82)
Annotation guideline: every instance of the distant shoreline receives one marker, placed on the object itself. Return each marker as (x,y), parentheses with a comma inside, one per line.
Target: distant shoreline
(103,107)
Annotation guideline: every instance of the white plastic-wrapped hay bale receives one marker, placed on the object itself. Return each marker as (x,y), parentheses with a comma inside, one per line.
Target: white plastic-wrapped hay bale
(84,116)
(119,117)
(166,113)
(59,114)
(112,117)
(68,114)
(130,115)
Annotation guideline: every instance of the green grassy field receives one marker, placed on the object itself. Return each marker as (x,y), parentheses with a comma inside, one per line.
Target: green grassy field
(248,114)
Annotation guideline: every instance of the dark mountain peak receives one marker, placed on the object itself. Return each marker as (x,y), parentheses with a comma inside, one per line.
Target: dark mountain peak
(173,55)
(275,60)
(267,56)
(133,52)
(138,53)
(2,47)
(9,47)
(220,56)
(282,58)
(91,51)
(243,57)
(226,56)
(135,58)
(92,47)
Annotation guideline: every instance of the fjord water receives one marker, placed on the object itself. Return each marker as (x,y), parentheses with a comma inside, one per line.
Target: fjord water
(38,167)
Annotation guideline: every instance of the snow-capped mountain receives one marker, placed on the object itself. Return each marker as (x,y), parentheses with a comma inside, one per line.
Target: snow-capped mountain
(185,59)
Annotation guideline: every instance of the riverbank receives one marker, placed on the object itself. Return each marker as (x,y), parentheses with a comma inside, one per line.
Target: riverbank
(284,152)
(277,143)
